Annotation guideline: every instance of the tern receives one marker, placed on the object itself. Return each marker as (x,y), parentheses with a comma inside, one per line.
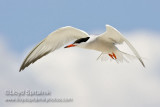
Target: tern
(105,43)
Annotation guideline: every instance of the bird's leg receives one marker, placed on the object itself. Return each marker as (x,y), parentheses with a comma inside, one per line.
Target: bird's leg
(113,56)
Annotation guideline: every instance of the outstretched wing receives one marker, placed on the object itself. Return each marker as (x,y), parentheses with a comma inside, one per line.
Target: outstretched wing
(114,36)
(52,42)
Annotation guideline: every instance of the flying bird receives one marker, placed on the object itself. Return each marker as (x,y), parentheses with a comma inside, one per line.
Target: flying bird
(105,43)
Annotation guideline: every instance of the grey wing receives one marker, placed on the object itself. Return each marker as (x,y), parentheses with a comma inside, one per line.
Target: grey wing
(52,42)
(112,35)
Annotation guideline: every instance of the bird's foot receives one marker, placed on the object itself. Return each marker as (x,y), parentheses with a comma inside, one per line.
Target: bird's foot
(113,56)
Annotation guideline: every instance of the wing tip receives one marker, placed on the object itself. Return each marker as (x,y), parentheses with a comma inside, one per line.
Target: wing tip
(20,70)
(22,67)
(143,64)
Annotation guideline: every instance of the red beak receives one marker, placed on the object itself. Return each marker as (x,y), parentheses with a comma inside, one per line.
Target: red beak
(71,45)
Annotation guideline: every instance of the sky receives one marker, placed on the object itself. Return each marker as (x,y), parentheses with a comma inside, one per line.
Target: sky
(75,73)
(28,22)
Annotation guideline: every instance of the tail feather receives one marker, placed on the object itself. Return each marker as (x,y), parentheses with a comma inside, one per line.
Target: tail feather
(121,57)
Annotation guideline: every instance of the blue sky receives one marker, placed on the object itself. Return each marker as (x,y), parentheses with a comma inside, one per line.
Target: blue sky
(25,23)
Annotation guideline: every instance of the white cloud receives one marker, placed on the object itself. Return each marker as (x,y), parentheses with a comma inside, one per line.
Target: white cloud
(75,73)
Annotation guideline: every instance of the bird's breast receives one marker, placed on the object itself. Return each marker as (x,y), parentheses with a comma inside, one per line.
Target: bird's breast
(100,46)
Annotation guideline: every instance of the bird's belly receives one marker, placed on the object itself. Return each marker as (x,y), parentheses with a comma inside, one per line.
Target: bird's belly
(102,47)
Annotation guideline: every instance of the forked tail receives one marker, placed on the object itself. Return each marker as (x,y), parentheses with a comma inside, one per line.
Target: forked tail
(117,55)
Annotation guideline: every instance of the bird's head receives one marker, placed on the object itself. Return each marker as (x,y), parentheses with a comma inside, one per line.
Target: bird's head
(78,42)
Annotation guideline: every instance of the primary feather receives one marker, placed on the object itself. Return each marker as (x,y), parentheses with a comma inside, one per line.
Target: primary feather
(52,42)
(114,36)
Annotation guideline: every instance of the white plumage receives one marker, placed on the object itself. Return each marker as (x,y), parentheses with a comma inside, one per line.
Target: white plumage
(104,43)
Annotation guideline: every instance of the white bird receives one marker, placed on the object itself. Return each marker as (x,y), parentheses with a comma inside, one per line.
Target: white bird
(104,43)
